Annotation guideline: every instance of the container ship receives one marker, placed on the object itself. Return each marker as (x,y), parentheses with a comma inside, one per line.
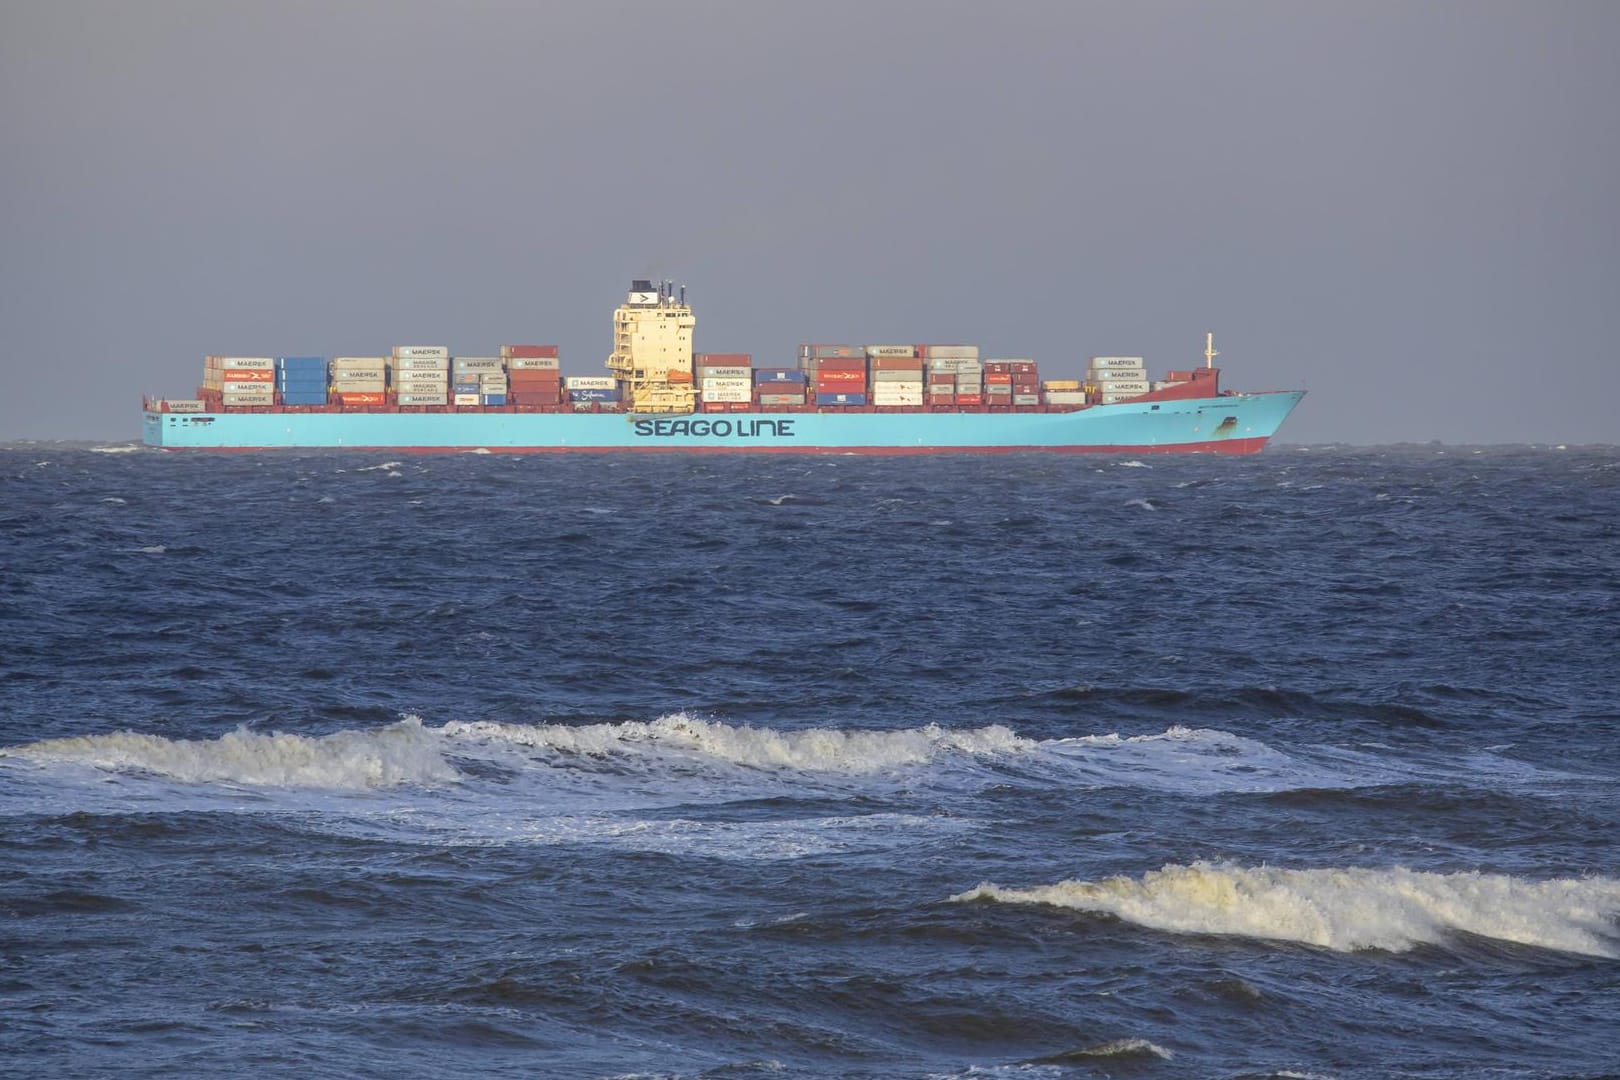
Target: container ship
(658,394)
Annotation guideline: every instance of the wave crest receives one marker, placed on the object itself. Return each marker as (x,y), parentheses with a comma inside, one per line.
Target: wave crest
(814,750)
(1347,909)
(402,753)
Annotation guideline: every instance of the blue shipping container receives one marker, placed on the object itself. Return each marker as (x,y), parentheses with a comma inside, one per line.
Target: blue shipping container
(301,382)
(303,397)
(840,399)
(494,399)
(792,375)
(593,395)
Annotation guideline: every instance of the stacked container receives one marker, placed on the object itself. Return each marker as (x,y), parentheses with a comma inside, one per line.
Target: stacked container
(1026,380)
(534,374)
(475,378)
(1063,392)
(724,379)
(780,387)
(241,381)
(839,372)
(896,374)
(1118,378)
(419,375)
(588,393)
(958,370)
(359,380)
(301,380)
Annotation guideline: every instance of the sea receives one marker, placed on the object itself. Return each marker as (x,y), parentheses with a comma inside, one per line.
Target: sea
(1298,765)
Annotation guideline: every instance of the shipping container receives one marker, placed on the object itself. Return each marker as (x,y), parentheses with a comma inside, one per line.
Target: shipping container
(184,405)
(420,363)
(361,398)
(439,398)
(422,386)
(476,364)
(1026,399)
(818,352)
(1120,386)
(706,371)
(1065,397)
(724,359)
(246,363)
(840,399)
(726,395)
(492,399)
(894,394)
(897,363)
(341,363)
(891,350)
(1100,362)
(950,352)
(781,399)
(464,399)
(726,384)
(838,363)
(765,375)
(265,396)
(594,393)
(839,377)
(422,352)
(534,363)
(249,375)
(887,376)
(591,382)
(969,399)
(303,397)
(529,352)
(1062,384)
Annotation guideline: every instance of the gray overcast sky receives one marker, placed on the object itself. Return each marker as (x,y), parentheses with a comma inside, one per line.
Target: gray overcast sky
(1410,209)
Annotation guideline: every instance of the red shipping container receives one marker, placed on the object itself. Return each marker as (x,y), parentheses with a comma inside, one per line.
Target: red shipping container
(897,363)
(998,378)
(825,377)
(725,359)
(997,367)
(941,379)
(839,363)
(970,399)
(528,352)
(520,397)
(1023,367)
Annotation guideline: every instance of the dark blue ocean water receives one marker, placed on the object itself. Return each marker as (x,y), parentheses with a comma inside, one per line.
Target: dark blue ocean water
(1299,765)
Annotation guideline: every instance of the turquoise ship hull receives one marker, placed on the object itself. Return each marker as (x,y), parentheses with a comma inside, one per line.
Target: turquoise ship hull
(1231,423)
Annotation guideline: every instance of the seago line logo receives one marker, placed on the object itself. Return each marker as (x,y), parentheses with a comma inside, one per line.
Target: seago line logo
(716,429)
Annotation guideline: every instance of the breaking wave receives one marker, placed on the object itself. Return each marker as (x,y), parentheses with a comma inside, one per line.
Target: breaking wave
(1348,909)
(402,753)
(831,750)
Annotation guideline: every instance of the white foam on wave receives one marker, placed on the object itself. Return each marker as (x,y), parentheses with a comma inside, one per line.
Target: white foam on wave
(823,750)
(1200,761)
(384,467)
(1347,909)
(402,753)
(127,448)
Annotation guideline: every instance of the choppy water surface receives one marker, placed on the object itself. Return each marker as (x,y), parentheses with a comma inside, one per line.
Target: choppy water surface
(1304,765)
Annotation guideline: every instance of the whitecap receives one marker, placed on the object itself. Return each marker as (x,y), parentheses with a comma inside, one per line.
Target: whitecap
(1347,909)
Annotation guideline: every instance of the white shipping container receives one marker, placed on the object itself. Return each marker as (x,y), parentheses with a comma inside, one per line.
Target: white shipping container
(1065,397)
(891,350)
(247,363)
(1136,374)
(425,399)
(882,376)
(258,397)
(492,384)
(953,352)
(743,383)
(476,363)
(897,397)
(357,386)
(182,404)
(534,363)
(1109,399)
(421,363)
(422,352)
(733,396)
(1098,362)
(340,363)
(730,372)
(1124,386)
(591,382)
(362,374)
(465,399)
(957,367)
(418,386)
(1026,399)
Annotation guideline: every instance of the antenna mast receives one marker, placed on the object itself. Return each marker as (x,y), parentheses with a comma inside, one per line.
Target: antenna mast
(1209,349)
